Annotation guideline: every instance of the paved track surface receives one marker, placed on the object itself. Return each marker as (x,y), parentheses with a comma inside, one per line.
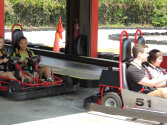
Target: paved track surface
(62,110)
(72,68)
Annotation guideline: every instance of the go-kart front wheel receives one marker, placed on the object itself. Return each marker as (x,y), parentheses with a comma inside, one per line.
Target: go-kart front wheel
(14,86)
(112,99)
(67,80)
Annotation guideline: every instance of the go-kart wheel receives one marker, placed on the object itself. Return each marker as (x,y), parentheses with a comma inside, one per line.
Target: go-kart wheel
(112,99)
(67,80)
(14,86)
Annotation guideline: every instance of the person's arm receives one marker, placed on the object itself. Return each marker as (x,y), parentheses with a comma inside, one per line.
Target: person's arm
(5,60)
(162,85)
(40,59)
(153,82)
(21,62)
(1,61)
(34,55)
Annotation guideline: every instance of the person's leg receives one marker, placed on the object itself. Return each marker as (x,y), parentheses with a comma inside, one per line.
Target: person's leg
(160,92)
(45,71)
(164,91)
(22,77)
(8,75)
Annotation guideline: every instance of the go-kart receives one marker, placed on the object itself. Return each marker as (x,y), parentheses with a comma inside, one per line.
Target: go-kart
(17,89)
(115,96)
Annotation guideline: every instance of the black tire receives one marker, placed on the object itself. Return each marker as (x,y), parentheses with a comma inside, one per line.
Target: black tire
(14,86)
(67,80)
(112,99)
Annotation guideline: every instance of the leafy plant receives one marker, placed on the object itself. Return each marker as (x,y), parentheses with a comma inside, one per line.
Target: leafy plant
(46,13)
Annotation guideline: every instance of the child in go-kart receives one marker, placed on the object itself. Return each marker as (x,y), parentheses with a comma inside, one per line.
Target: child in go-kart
(3,60)
(25,53)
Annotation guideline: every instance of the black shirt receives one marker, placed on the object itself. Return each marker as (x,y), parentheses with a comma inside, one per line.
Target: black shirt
(134,76)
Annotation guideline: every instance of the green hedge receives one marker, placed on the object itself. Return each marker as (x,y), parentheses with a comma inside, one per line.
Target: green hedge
(37,12)
(133,12)
(46,13)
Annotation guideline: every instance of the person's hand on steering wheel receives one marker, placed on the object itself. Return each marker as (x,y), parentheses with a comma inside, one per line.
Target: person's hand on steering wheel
(5,60)
(25,60)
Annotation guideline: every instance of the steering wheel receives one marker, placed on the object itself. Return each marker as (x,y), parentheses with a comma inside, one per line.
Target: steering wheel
(13,59)
(34,60)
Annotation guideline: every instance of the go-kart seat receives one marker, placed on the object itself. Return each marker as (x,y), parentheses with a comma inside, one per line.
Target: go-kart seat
(110,76)
(141,40)
(17,34)
(126,56)
(10,50)
(80,48)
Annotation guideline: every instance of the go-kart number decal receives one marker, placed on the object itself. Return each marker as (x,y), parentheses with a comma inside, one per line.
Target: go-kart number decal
(141,102)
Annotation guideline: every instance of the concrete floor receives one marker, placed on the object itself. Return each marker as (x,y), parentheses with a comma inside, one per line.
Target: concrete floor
(86,118)
(62,109)
(12,112)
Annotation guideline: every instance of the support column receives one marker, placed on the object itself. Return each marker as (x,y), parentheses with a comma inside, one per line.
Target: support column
(2,18)
(72,10)
(94,28)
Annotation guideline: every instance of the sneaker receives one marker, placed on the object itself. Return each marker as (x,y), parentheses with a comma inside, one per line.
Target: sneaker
(43,79)
(50,80)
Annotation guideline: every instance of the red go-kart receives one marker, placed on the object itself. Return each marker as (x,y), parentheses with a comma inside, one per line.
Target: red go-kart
(17,89)
(115,96)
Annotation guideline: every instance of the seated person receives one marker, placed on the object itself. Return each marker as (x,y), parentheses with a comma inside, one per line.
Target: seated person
(137,76)
(3,60)
(154,61)
(25,53)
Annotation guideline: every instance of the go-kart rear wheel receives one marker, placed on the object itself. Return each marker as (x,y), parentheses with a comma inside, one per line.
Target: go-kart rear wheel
(67,80)
(112,99)
(14,86)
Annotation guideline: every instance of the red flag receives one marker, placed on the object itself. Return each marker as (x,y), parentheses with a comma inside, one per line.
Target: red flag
(58,35)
